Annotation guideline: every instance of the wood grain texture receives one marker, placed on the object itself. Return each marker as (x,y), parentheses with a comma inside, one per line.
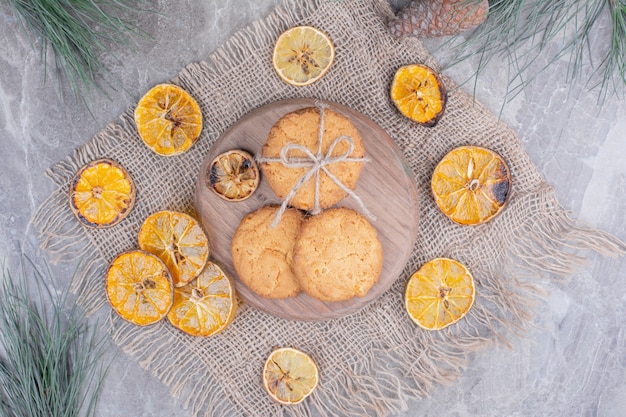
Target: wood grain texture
(386,187)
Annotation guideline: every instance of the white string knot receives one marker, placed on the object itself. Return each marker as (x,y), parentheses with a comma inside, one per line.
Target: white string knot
(316,163)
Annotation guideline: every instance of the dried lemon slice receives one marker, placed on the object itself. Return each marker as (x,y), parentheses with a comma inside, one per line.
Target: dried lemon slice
(289,375)
(206,306)
(302,55)
(102,194)
(439,294)
(168,119)
(233,175)
(139,287)
(471,184)
(179,241)
(418,93)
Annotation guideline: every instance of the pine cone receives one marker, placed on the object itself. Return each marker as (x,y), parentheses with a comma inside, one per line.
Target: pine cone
(434,18)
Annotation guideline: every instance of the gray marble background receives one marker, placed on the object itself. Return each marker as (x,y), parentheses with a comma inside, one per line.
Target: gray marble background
(572,362)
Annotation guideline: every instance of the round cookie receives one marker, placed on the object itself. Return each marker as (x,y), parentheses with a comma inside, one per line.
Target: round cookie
(302,127)
(337,255)
(263,256)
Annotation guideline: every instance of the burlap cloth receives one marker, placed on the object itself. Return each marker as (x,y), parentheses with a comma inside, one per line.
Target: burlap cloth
(373,361)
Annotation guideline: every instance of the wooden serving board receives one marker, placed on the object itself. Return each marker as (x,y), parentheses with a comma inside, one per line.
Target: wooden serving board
(386,187)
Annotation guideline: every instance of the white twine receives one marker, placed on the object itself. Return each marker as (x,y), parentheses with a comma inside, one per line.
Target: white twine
(316,163)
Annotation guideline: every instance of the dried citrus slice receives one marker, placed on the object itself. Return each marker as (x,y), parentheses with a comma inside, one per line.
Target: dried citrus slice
(289,375)
(205,306)
(168,119)
(302,55)
(233,175)
(139,287)
(102,194)
(419,94)
(471,184)
(179,241)
(439,294)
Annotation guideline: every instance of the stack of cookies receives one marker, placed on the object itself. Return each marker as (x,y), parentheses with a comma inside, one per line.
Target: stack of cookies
(332,256)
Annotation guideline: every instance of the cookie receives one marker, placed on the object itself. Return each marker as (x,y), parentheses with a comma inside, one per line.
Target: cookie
(263,256)
(302,127)
(337,255)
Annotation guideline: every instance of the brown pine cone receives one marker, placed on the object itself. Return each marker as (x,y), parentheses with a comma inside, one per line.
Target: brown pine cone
(434,18)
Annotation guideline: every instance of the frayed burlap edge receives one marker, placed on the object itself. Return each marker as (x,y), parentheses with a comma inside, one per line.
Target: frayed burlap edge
(394,369)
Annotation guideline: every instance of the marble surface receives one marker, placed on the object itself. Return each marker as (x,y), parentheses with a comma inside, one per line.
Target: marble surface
(571,362)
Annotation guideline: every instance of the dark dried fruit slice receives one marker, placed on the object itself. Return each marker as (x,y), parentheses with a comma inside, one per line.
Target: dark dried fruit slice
(471,184)
(102,194)
(419,94)
(233,175)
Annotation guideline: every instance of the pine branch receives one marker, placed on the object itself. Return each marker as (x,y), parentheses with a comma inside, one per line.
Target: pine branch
(521,31)
(49,356)
(79,32)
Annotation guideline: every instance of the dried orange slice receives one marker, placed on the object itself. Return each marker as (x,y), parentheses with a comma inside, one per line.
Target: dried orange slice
(233,175)
(302,55)
(206,306)
(439,294)
(289,375)
(179,241)
(471,184)
(139,287)
(419,94)
(168,119)
(102,194)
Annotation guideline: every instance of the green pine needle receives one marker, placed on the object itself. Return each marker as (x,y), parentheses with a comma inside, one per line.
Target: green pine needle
(522,30)
(615,61)
(49,356)
(78,32)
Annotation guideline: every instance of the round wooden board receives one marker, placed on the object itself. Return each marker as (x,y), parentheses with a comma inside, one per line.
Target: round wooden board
(386,187)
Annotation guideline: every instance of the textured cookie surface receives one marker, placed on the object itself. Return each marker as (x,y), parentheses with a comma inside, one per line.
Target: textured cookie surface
(302,127)
(337,255)
(263,256)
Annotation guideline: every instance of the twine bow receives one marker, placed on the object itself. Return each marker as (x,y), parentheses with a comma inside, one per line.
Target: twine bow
(316,163)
